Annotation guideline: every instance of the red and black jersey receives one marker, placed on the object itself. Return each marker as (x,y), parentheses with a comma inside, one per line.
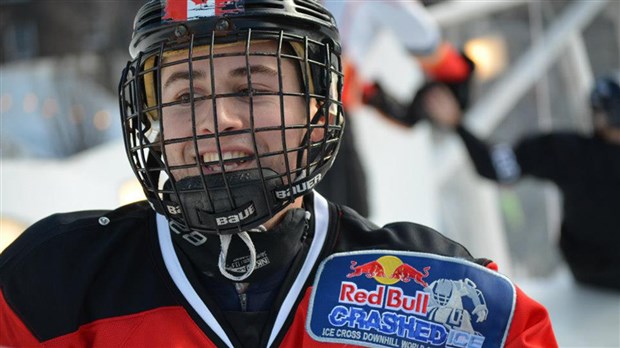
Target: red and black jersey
(113,279)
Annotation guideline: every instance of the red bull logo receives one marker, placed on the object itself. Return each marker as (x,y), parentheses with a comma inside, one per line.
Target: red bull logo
(406,273)
(389,270)
(392,298)
(370,269)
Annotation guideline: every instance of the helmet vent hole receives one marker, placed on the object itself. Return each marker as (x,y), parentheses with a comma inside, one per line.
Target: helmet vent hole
(257,5)
(310,9)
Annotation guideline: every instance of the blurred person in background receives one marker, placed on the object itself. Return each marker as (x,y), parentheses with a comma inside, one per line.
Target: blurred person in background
(586,169)
(360,22)
(232,113)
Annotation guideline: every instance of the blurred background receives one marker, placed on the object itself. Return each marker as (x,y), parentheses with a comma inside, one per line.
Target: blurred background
(61,146)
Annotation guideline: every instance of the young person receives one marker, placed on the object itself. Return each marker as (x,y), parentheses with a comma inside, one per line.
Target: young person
(231,113)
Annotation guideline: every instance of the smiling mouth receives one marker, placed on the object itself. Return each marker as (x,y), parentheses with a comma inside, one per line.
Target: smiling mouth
(233,160)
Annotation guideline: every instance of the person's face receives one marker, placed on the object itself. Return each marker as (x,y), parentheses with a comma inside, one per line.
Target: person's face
(611,134)
(229,116)
(602,127)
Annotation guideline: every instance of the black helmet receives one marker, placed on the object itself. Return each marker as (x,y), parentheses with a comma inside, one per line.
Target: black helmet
(230,190)
(605,97)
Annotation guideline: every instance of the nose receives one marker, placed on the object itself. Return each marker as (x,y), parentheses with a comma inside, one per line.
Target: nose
(220,114)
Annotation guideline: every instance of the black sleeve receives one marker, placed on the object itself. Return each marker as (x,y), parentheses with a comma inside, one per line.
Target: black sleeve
(552,156)
(479,152)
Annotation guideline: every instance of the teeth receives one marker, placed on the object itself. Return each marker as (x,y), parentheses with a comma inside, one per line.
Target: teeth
(213,156)
(210,157)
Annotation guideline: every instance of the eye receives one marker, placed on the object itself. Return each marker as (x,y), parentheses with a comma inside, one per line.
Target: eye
(185,98)
(247,91)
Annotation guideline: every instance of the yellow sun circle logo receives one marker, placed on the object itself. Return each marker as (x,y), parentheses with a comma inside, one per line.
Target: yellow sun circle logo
(389,263)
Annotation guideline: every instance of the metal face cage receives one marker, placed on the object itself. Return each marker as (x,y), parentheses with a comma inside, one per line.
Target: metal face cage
(224,135)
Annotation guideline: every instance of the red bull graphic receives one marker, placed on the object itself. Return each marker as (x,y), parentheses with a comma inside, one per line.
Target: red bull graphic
(392,298)
(405,273)
(370,269)
(389,270)
(447,307)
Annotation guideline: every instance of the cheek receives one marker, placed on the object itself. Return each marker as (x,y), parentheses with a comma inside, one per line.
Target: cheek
(174,153)
(269,111)
(268,115)
(175,125)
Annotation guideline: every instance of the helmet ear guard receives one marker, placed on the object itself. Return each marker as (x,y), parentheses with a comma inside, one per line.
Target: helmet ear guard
(228,202)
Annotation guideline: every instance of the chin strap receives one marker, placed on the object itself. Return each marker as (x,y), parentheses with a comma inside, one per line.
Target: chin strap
(225,240)
(255,256)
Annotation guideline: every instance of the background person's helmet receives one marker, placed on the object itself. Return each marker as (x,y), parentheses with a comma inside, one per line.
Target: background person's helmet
(234,201)
(605,97)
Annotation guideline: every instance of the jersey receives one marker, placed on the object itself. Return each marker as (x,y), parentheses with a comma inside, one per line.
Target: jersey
(587,172)
(114,279)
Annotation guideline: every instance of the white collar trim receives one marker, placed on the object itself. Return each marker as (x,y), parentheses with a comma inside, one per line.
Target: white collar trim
(321,222)
(180,279)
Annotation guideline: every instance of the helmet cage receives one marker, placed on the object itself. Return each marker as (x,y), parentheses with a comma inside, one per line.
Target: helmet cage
(226,201)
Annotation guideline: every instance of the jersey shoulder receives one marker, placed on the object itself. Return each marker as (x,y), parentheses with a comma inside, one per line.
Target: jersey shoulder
(67,228)
(376,268)
(358,233)
(86,265)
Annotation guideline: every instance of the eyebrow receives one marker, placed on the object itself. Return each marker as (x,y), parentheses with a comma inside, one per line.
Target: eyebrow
(238,72)
(184,75)
(254,69)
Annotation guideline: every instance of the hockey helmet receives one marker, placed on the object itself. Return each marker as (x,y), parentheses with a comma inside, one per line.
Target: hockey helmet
(219,188)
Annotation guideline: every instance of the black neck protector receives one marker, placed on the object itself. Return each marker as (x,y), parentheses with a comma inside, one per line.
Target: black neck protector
(275,249)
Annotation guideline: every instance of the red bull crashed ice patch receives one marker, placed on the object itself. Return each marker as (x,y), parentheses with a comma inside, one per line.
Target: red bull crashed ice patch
(380,298)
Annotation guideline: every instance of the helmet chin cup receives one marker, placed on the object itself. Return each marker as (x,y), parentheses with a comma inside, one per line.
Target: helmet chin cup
(223,203)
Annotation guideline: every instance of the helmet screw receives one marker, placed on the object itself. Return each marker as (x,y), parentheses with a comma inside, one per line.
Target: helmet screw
(104,221)
(179,31)
(222,24)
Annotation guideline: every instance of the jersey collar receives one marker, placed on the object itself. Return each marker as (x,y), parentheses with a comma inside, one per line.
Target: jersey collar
(321,222)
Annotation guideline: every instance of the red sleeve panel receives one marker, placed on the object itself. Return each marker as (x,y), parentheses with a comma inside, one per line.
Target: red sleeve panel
(531,325)
(13,332)
(161,327)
